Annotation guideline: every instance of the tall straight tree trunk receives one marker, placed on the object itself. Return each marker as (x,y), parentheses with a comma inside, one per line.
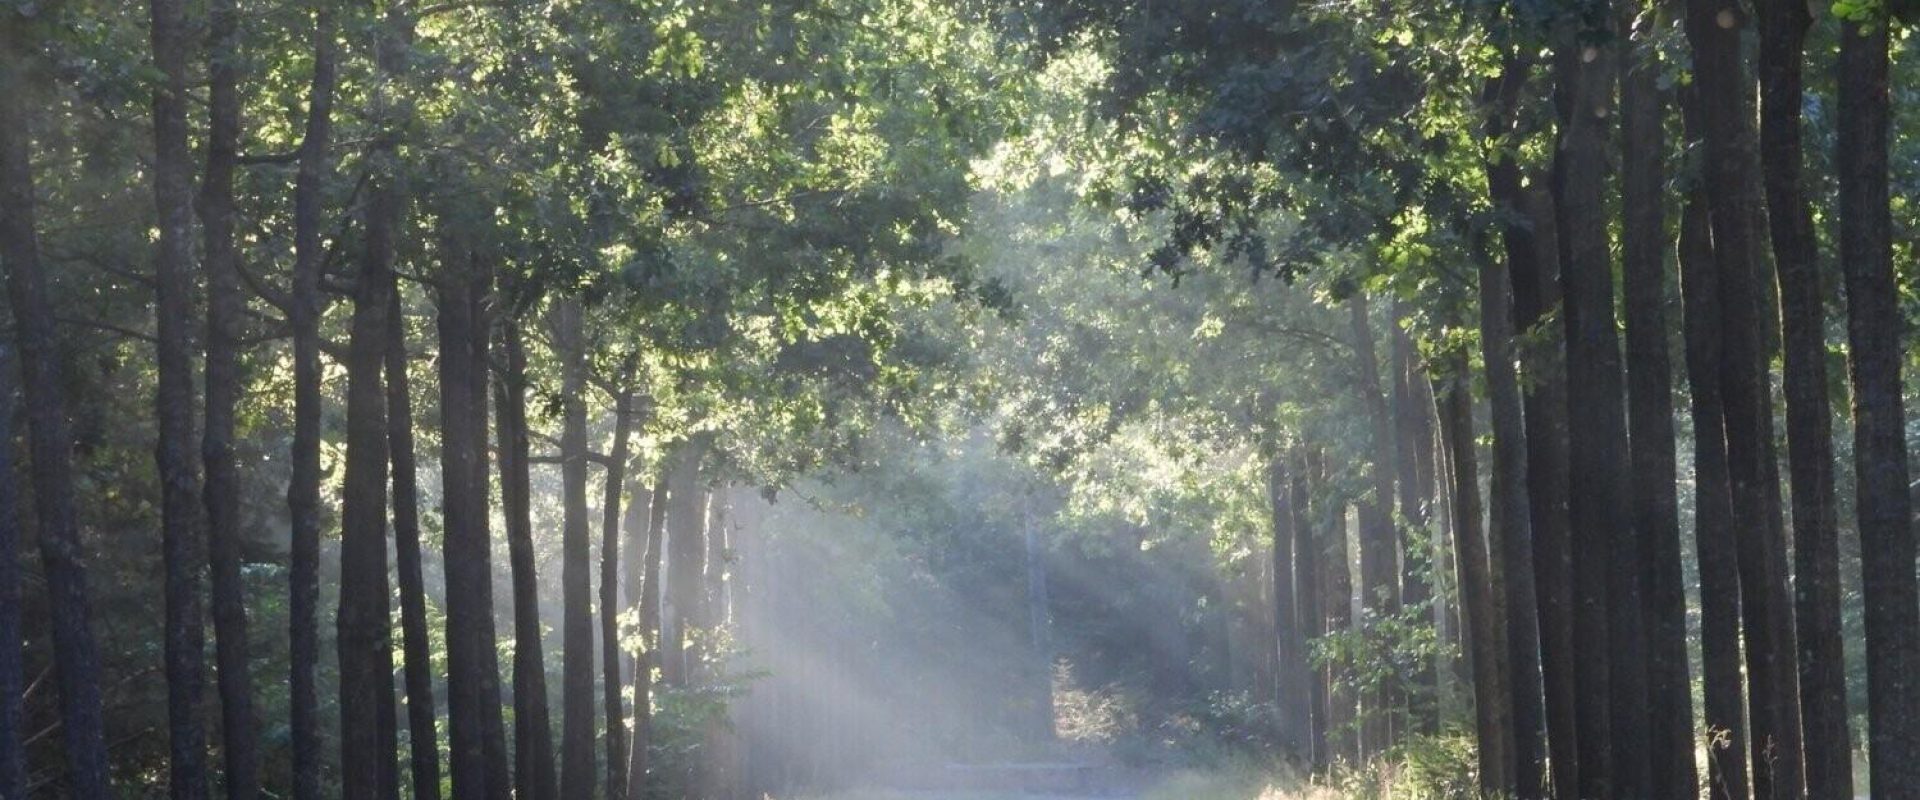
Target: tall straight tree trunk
(1536,291)
(1379,568)
(1714,547)
(1415,489)
(365,641)
(1493,718)
(1508,490)
(1713,28)
(1822,662)
(13,762)
(686,565)
(1291,668)
(1667,717)
(226,307)
(303,486)
(1607,613)
(637,755)
(1337,596)
(180,522)
(1309,608)
(610,605)
(1874,330)
(533,758)
(50,443)
(423,748)
(477,756)
(576,548)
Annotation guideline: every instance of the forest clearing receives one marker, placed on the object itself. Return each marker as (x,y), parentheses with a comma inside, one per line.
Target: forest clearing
(959,399)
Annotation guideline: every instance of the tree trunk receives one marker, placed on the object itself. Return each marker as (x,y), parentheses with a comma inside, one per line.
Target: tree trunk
(1713,28)
(1292,701)
(1536,291)
(1415,488)
(477,751)
(576,548)
(686,567)
(1874,331)
(1309,608)
(1379,568)
(364,632)
(1508,489)
(1607,613)
(1667,716)
(1337,600)
(226,308)
(303,487)
(637,756)
(180,523)
(610,605)
(50,443)
(1822,662)
(1493,718)
(1713,502)
(423,748)
(13,762)
(533,757)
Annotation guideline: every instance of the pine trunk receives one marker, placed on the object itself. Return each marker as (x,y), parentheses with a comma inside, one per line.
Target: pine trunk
(1379,565)
(1292,701)
(423,748)
(686,568)
(576,548)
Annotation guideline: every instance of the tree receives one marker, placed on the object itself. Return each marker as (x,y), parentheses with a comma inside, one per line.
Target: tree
(1379,571)
(423,750)
(1734,194)
(49,440)
(576,683)
(1668,717)
(1292,671)
(1493,716)
(533,758)
(610,605)
(173,403)
(644,660)
(1874,331)
(303,487)
(1606,564)
(1822,661)
(226,307)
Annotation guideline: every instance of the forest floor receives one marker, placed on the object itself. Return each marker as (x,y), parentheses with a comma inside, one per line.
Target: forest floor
(1176,785)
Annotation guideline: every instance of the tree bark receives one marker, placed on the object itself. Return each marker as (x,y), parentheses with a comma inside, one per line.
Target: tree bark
(1874,331)
(576,547)
(1379,567)
(477,743)
(1822,661)
(1713,28)
(423,748)
(1713,501)
(686,567)
(1607,611)
(1291,670)
(226,308)
(1508,489)
(1667,716)
(1415,488)
(610,605)
(533,756)
(637,755)
(50,442)
(180,522)
(1309,605)
(303,487)
(1536,291)
(1493,718)
(364,630)
(13,762)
